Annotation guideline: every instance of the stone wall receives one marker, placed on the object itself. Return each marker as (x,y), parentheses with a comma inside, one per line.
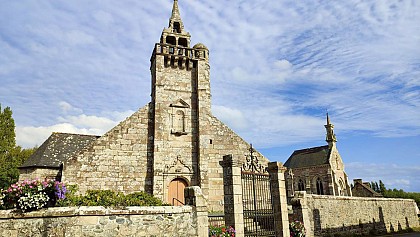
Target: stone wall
(41,173)
(332,215)
(99,221)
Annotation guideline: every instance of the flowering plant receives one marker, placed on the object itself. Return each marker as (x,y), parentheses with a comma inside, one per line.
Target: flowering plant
(31,195)
(297,229)
(221,231)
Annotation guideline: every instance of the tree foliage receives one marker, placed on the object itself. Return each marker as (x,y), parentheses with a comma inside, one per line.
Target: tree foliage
(7,131)
(394,193)
(11,156)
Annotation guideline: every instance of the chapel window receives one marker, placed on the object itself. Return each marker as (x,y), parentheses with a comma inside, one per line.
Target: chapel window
(301,185)
(319,187)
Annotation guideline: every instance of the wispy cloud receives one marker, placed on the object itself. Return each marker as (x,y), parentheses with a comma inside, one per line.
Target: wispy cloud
(276,66)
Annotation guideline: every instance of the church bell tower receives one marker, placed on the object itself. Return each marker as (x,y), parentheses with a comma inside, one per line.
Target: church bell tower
(180,100)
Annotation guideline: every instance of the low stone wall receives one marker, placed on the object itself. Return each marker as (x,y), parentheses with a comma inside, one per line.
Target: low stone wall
(334,215)
(100,221)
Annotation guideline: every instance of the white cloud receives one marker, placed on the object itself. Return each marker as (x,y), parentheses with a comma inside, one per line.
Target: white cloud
(233,117)
(29,136)
(67,108)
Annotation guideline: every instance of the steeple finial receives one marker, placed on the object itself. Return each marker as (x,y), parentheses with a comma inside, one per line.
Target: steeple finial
(175,22)
(175,12)
(330,137)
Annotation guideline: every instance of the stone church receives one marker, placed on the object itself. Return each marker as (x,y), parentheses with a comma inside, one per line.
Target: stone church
(174,141)
(318,170)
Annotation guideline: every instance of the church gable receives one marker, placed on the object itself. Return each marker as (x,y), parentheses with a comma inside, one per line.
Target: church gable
(117,160)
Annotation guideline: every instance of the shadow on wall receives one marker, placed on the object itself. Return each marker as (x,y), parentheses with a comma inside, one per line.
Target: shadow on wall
(374,227)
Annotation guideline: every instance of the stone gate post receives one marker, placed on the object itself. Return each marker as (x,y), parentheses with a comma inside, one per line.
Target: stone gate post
(194,197)
(232,185)
(276,171)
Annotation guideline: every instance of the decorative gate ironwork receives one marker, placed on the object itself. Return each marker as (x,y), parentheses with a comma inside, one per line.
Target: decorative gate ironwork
(256,197)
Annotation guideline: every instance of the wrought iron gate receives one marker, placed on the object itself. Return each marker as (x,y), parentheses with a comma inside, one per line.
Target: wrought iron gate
(256,197)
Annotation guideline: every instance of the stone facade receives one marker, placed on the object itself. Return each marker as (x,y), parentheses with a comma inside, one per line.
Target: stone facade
(329,215)
(318,170)
(175,138)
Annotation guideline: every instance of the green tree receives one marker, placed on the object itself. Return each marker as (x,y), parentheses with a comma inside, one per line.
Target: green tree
(382,188)
(7,131)
(11,156)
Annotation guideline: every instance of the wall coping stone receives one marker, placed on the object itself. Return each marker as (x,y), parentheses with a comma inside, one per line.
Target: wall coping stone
(356,198)
(94,211)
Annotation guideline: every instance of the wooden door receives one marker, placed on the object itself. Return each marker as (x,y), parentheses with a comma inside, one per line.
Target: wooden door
(176,192)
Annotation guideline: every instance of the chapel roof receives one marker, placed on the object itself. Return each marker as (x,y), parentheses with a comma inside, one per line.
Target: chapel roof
(57,149)
(308,157)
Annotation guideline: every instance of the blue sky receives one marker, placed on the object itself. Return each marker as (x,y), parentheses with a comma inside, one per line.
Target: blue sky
(276,67)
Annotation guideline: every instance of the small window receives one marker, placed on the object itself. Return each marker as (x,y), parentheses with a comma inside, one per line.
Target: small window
(211,141)
(319,187)
(301,185)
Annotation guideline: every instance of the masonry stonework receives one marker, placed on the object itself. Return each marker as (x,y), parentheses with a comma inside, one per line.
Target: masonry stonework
(174,139)
(329,215)
(99,221)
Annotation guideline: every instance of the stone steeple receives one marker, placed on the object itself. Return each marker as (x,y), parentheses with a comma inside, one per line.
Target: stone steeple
(330,137)
(175,17)
(175,34)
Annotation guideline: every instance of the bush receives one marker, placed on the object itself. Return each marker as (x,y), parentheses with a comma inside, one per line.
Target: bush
(36,194)
(109,198)
(32,195)
(221,231)
(297,229)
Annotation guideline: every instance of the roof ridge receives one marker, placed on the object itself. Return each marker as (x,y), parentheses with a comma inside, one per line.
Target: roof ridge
(79,134)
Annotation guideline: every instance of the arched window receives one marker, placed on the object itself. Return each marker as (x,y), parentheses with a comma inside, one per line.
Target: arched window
(319,187)
(301,185)
(341,189)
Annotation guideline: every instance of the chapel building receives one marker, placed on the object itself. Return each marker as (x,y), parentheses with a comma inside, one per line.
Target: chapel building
(172,142)
(318,170)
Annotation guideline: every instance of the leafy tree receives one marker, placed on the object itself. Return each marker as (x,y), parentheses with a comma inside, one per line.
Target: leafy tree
(382,188)
(395,193)
(7,131)
(11,156)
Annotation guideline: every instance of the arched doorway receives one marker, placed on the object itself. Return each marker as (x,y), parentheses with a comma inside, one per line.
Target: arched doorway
(176,192)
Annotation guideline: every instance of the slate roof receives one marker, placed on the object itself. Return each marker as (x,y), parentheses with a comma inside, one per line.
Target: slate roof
(308,157)
(57,149)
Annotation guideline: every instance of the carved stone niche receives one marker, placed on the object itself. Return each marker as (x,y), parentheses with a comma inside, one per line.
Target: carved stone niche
(179,112)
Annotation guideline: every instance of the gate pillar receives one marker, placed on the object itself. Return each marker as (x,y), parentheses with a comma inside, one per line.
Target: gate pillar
(276,171)
(232,187)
